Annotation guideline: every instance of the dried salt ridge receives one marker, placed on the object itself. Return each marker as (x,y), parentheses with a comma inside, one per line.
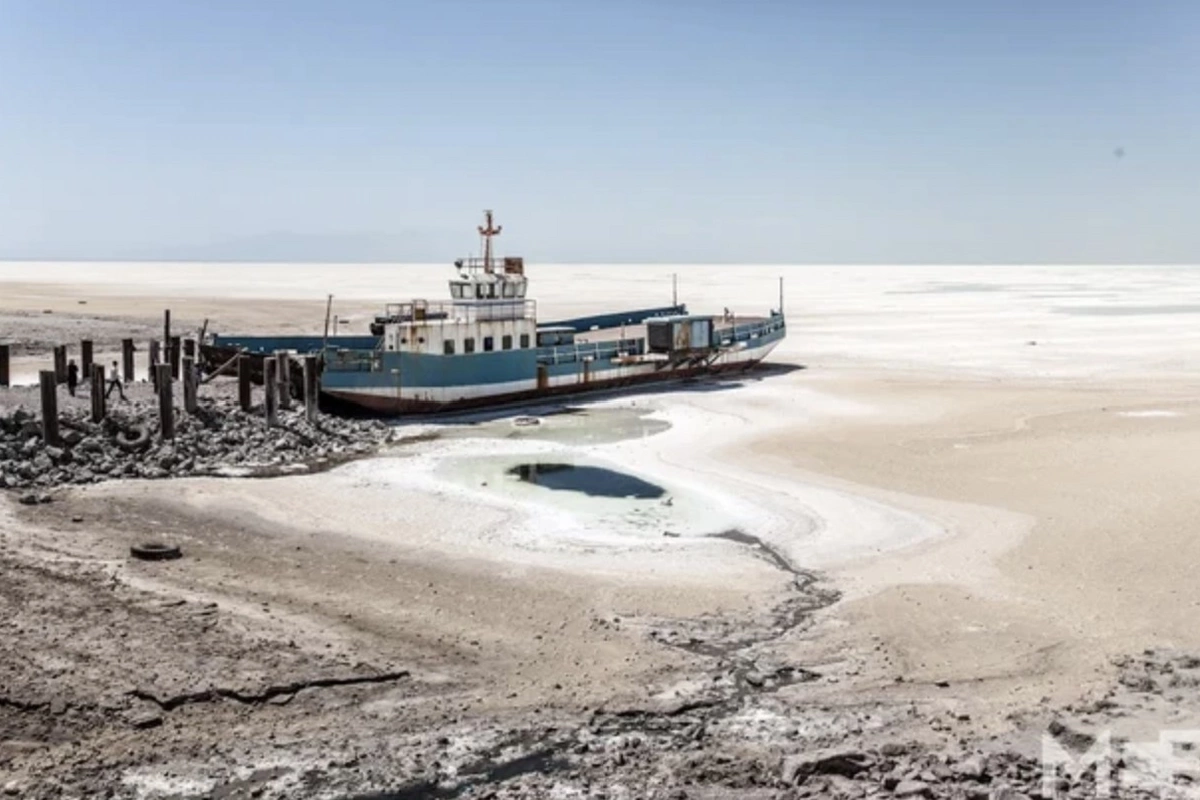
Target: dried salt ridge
(219,439)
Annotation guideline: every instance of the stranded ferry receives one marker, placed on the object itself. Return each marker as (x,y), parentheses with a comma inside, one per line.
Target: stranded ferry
(485,346)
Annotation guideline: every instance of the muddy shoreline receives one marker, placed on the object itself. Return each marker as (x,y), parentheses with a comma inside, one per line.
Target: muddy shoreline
(128,679)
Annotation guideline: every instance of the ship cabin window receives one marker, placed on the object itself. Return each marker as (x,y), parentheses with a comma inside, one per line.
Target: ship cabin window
(524,341)
(506,342)
(448,347)
(555,337)
(510,290)
(479,291)
(520,290)
(488,344)
(491,290)
(456,290)
(403,340)
(469,344)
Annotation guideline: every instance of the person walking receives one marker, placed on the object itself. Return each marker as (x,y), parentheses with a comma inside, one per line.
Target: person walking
(72,376)
(114,383)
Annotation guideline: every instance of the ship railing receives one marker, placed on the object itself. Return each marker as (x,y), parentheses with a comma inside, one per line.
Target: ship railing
(509,265)
(748,331)
(422,312)
(590,351)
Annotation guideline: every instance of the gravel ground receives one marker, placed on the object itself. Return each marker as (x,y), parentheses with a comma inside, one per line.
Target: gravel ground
(217,438)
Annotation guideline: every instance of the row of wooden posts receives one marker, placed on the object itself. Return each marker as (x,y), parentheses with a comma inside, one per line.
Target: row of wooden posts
(276,384)
(177,349)
(86,361)
(180,362)
(174,360)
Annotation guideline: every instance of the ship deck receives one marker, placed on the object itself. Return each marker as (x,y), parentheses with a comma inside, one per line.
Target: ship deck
(720,323)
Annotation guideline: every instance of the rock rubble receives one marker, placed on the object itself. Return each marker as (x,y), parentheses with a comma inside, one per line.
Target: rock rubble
(218,439)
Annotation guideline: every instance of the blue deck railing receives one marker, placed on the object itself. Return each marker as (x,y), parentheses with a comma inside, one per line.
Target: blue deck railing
(747,331)
(614,319)
(592,351)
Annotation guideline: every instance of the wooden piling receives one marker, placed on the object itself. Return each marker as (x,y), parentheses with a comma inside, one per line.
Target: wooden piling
(127,359)
(96,375)
(173,350)
(48,380)
(270,390)
(154,360)
(166,409)
(60,363)
(4,373)
(243,369)
(311,387)
(189,384)
(85,359)
(283,365)
(166,326)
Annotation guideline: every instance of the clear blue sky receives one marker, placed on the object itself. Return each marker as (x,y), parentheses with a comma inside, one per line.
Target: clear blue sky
(602,130)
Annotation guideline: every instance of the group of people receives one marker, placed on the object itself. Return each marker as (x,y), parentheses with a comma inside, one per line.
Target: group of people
(114,382)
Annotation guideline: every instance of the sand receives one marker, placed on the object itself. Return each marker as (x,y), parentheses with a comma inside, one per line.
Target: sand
(993,466)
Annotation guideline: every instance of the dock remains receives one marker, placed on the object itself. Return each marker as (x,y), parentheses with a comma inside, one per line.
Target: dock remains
(176,423)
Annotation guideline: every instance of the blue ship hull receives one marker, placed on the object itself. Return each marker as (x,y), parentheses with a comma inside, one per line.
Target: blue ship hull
(358,373)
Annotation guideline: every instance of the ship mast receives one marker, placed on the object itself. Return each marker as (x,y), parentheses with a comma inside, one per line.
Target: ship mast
(487,231)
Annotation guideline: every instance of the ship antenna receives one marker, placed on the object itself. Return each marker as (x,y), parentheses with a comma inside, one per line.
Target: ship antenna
(487,231)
